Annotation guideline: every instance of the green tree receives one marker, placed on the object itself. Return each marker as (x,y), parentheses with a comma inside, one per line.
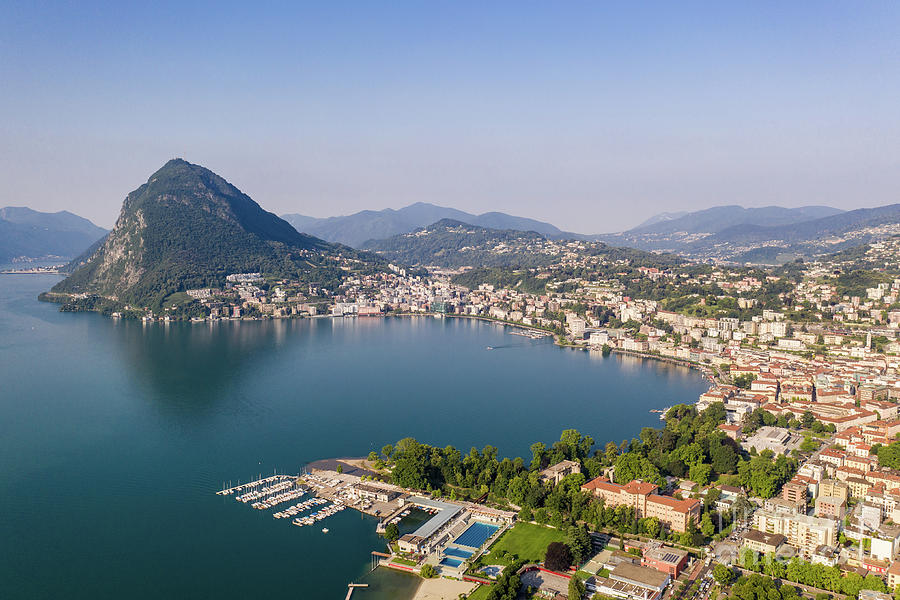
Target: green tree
(612,451)
(387,451)
(807,419)
(700,473)
(428,571)
(706,526)
(651,526)
(392,532)
(576,588)
(723,575)
(579,542)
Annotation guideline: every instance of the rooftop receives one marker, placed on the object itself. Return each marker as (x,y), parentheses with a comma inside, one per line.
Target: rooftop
(445,513)
(761,537)
(639,575)
(663,554)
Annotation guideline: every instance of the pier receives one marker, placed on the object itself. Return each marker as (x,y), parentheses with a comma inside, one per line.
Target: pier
(353,586)
(253,485)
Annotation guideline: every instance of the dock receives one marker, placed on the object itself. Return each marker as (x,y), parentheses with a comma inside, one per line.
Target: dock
(353,586)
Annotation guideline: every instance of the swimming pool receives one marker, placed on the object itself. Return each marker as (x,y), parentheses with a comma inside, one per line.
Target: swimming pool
(476,535)
(451,562)
(454,551)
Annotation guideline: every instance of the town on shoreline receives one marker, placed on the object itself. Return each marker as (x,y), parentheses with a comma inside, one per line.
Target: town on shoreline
(783,477)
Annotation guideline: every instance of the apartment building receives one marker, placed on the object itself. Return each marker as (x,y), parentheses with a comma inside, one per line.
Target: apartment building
(803,532)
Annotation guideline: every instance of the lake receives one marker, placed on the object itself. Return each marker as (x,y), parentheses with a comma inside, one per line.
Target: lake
(114,436)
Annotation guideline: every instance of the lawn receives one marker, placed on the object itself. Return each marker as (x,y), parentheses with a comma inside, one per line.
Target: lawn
(527,541)
(480,594)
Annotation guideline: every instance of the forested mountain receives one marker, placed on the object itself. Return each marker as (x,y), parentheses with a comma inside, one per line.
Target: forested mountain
(189,228)
(450,243)
(366,225)
(26,233)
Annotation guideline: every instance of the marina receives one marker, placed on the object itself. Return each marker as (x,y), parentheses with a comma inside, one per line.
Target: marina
(299,508)
(269,492)
(530,333)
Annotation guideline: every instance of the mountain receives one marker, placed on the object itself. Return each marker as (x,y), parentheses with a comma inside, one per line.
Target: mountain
(366,225)
(816,229)
(718,218)
(32,234)
(770,235)
(188,228)
(451,243)
(662,218)
(696,234)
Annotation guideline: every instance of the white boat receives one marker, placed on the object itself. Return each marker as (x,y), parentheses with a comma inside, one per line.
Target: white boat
(324,530)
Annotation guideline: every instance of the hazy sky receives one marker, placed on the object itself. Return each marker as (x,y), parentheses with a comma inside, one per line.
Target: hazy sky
(593,115)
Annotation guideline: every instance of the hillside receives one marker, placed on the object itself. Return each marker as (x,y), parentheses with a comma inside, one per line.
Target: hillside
(358,228)
(189,228)
(26,233)
(450,243)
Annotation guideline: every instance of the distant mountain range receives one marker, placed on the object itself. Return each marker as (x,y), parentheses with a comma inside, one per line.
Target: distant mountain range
(762,235)
(189,228)
(29,234)
(451,243)
(358,228)
(720,218)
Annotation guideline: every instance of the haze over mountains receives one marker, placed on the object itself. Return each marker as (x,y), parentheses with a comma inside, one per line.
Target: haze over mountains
(26,233)
(766,235)
(358,228)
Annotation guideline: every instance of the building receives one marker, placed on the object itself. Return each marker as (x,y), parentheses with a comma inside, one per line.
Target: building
(557,472)
(803,532)
(371,492)
(776,439)
(632,582)
(781,506)
(830,507)
(832,487)
(762,542)
(433,531)
(893,574)
(873,595)
(795,492)
(732,431)
(665,560)
(646,501)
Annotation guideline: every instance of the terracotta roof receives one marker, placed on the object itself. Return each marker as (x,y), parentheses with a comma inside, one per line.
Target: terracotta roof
(639,487)
(681,506)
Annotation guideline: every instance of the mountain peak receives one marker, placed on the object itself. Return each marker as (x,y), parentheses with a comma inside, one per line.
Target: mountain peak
(187,227)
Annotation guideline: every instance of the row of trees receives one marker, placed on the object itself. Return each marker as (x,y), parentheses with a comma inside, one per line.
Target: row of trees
(814,575)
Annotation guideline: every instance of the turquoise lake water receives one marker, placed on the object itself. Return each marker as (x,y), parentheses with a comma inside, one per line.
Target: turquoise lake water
(114,437)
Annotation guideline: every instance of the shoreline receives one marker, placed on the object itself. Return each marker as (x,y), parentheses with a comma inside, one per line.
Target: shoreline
(707,372)
(666,359)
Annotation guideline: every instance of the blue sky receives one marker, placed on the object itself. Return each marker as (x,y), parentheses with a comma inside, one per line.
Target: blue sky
(593,115)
